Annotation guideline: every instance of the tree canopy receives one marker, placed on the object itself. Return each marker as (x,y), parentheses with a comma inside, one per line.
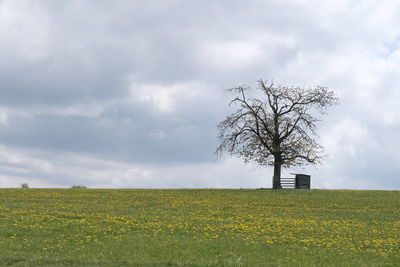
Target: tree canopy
(277,129)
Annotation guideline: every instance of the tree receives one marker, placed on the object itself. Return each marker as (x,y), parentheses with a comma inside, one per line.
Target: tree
(277,129)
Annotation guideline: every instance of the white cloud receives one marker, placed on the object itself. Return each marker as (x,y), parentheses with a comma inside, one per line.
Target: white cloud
(21,158)
(163,98)
(223,54)
(3,117)
(347,138)
(24,30)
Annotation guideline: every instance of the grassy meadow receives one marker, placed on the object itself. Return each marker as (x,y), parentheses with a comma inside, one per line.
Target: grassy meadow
(90,227)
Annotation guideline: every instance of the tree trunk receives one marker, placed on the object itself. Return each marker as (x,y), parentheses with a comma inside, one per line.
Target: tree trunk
(276,182)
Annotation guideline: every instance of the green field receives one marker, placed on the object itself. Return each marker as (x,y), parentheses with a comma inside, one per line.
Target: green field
(88,227)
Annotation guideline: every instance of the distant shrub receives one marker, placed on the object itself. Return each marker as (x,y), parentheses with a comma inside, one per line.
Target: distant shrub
(78,186)
(24,185)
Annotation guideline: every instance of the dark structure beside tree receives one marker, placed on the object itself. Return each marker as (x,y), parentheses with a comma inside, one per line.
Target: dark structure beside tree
(303,181)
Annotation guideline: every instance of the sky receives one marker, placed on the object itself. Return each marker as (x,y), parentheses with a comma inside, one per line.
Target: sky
(128,94)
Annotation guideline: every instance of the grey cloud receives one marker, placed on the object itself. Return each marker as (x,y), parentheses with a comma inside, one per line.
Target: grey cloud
(30,87)
(127,133)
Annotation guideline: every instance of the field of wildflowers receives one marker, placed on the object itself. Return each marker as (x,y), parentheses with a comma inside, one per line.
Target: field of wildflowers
(199,227)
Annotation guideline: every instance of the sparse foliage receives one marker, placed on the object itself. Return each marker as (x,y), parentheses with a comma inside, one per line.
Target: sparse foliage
(24,185)
(277,129)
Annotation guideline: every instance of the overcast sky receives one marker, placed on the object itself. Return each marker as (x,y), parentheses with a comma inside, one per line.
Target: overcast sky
(127,94)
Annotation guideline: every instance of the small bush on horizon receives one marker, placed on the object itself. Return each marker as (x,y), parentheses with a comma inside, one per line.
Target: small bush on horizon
(78,186)
(24,185)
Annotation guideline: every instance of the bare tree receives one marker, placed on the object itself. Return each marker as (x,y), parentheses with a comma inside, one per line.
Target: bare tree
(277,129)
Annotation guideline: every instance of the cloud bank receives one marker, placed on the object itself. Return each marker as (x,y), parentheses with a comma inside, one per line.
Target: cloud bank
(129,94)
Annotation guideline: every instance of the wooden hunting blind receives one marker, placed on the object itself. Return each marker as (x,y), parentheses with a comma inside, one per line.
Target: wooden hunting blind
(303,181)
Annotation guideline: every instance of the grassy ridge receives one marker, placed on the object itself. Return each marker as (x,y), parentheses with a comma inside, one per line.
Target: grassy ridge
(199,227)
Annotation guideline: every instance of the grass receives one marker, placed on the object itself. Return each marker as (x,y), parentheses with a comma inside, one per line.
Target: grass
(88,227)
